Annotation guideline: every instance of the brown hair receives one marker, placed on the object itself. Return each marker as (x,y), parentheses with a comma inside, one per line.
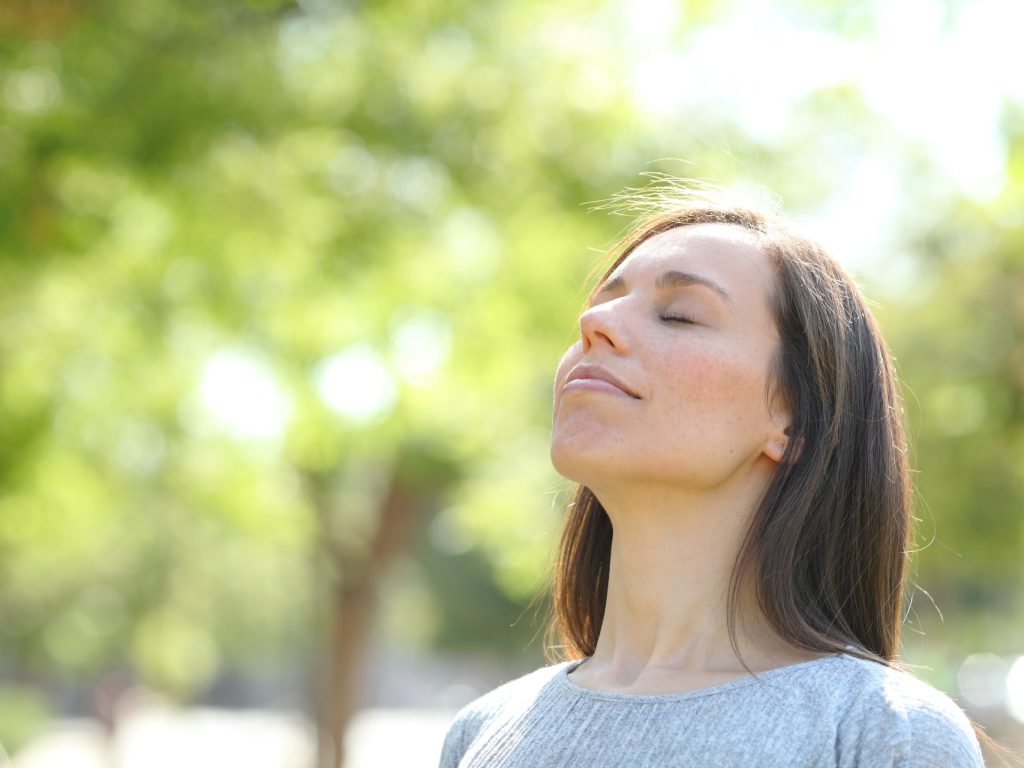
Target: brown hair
(826,550)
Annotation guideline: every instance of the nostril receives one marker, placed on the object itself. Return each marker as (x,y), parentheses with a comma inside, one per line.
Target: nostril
(599,326)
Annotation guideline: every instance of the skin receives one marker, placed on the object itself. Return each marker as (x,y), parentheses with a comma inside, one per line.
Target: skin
(681,463)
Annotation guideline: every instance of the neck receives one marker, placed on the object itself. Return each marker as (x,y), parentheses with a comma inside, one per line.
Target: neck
(671,564)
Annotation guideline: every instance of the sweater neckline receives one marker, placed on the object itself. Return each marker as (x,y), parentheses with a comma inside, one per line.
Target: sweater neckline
(567,685)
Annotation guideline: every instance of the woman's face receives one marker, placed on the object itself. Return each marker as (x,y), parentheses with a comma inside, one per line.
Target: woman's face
(668,382)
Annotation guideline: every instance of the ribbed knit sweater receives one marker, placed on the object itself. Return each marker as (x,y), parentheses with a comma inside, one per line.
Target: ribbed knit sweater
(833,711)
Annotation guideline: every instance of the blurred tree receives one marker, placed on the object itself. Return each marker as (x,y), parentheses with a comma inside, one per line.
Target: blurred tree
(958,333)
(244,276)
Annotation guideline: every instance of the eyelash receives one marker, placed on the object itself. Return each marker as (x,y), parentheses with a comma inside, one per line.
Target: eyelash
(677,318)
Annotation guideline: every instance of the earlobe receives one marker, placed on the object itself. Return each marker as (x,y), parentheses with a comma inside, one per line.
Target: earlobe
(777,444)
(781,422)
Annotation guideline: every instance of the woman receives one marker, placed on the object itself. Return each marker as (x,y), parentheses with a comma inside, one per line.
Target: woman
(731,413)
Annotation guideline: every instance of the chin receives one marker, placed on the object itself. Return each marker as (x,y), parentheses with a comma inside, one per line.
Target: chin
(563,460)
(576,464)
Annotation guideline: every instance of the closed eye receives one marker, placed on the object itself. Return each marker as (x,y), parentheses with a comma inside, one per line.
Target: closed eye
(677,319)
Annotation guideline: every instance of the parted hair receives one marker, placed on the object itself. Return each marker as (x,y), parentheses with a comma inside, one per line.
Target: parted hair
(825,554)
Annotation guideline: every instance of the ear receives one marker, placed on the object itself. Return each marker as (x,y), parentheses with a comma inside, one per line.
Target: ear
(779,435)
(775,446)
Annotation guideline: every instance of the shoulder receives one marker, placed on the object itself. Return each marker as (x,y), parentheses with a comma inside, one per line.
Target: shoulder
(915,724)
(474,716)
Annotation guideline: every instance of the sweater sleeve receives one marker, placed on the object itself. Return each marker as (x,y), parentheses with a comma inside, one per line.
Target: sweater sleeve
(451,752)
(941,736)
(477,714)
(460,733)
(902,722)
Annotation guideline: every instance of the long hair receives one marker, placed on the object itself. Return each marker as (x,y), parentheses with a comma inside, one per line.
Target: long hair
(825,554)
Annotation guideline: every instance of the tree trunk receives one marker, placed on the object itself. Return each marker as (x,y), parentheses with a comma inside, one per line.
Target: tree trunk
(352,594)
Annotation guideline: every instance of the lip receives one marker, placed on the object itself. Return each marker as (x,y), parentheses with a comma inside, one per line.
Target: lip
(598,379)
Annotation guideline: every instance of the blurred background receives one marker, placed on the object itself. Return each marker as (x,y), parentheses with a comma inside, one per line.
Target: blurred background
(283,286)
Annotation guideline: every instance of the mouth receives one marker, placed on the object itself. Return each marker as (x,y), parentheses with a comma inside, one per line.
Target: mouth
(594,378)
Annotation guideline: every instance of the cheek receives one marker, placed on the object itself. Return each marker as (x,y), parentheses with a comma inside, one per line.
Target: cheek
(714,387)
(569,359)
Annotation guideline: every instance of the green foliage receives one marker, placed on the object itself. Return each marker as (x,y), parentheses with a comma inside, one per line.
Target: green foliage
(957,334)
(247,244)
(23,713)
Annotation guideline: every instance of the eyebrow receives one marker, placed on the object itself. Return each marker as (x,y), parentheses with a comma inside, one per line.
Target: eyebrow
(671,279)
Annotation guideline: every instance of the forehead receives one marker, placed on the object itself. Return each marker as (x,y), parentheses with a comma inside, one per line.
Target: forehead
(726,253)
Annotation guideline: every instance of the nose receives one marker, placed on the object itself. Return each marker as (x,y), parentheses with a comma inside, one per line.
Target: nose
(601,325)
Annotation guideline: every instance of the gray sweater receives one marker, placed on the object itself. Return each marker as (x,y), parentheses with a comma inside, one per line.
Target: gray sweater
(833,711)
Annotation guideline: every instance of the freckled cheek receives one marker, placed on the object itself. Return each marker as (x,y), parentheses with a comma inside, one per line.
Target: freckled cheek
(712,381)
